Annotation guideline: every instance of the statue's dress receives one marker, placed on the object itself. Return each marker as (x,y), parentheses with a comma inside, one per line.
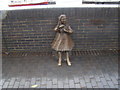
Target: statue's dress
(62,40)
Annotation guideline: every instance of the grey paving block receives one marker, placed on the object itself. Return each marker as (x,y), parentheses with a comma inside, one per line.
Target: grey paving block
(1,83)
(49,84)
(60,84)
(55,89)
(22,82)
(0,87)
(104,82)
(106,86)
(110,83)
(66,89)
(55,86)
(84,88)
(93,82)
(71,83)
(3,80)
(54,81)
(97,78)
(87,79)
(12,81)
(44,80)
(72,89)
(5,85)
(33,81)
(89,85)
(10,86)
(16,84)
(43,85)
(21,86)
(77,85)
(76,80)
(66,81)
(100,85)
(38,82)
(107,77)
(82,83)
(27,84)
(66,86)
(116,86)
(78,89)
(114,80)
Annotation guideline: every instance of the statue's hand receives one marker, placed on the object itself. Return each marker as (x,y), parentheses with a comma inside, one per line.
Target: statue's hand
(65,30)
(61,26)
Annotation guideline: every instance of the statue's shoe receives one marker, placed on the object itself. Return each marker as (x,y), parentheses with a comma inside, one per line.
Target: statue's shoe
(59,64)
(69,63)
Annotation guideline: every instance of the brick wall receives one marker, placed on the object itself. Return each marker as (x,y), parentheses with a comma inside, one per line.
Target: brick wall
(32,30)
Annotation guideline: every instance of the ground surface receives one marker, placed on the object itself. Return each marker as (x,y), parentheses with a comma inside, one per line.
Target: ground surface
(87,71)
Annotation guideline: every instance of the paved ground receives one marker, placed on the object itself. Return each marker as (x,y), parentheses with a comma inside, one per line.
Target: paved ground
(87,71)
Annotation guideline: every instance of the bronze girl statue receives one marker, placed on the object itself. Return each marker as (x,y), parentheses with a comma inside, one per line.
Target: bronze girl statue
(63,41)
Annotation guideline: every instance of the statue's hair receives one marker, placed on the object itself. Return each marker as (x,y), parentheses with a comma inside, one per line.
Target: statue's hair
(63,15)
(59,21)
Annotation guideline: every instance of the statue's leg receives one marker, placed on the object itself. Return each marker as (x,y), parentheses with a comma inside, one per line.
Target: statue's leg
(60,58)
(68,60)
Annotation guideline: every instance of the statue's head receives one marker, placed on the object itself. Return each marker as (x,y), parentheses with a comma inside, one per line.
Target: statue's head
(63,19)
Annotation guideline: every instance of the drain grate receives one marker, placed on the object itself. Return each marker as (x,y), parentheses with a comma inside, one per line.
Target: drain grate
(73,53)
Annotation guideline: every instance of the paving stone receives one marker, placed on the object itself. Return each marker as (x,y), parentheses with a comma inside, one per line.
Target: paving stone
(0,87)
(116,86)
(54,81)
(76,80)
(10,86)
(16,85)
(84,88)
(88,84)
(87,79)
(22,82)
(60,84)
(107,77)
(33,81)
(66,86)
(104,82)
(82,83)
(38,82)
(3,80)
(43,85)
(72,89)
(27,84)
(5,85)
(114,80)
(54,86)
(55,89)
(93,82)
(77,85)
(110,83)
(71,83)
(49,84)
(22,86)
(12,81)
(78,88)
(66,81)
(1,83)
(97,78)
(100,85)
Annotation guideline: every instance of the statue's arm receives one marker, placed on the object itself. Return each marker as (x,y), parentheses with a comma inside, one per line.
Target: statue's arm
(69,30)
(56,28)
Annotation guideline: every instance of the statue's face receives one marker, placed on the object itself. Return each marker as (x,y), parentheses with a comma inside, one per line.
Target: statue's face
(63,20)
